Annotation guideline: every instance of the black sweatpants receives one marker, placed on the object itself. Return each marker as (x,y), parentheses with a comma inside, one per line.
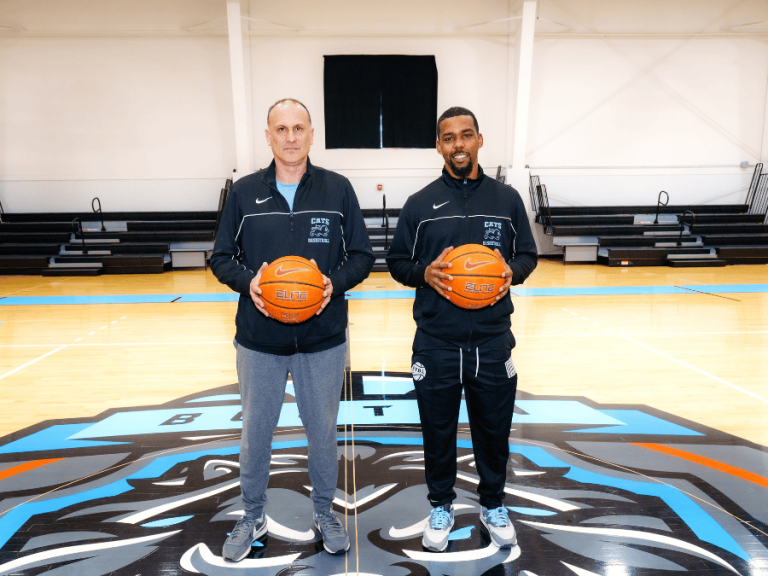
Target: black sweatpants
(488,378)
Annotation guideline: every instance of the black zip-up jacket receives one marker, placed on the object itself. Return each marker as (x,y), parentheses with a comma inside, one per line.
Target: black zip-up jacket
(454,212)
(258,226)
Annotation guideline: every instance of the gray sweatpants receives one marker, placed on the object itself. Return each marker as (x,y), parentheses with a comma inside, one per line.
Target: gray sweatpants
(317,379)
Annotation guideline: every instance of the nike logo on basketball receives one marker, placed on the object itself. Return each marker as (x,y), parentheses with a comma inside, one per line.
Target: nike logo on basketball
(436,206)
(281,272)
(469,265)
(262,201)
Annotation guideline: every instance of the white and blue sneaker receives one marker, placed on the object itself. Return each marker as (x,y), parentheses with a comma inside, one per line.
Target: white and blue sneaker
(438,528)
(499,526)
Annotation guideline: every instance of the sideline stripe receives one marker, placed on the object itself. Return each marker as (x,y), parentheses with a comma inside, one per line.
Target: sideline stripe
(383,339)
(7,473)
(102,299)
(384,294)
(379,295)
(708,462)
(32,362)
(597,291)
(700,371)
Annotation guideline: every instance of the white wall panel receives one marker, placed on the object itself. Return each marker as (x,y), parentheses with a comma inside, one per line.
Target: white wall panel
(116,96)
(115,108)
(171,195)
(642,187)
(702,103)
(592,108)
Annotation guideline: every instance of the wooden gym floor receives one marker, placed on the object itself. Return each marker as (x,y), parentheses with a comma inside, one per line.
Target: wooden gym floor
(638,446)
(697,355)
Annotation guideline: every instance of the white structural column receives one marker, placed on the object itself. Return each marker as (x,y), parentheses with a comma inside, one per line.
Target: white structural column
(248,85)
(518,176)
(512,62)
(764,144)
(524,84)
(239,96)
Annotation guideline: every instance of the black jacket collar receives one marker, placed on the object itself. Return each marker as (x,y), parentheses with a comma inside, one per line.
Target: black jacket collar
(270,178)
(458,184)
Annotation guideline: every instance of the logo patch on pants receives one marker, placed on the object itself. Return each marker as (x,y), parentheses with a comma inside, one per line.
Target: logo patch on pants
(510,368)
(418,371)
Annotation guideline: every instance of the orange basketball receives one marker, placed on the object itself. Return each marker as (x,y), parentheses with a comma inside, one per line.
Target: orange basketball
(292,289)
(476,272)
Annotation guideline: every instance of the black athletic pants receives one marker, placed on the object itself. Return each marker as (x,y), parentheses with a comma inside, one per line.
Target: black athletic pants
(488,378)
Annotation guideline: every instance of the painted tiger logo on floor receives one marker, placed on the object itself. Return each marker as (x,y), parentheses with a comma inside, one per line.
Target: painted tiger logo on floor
(151,490)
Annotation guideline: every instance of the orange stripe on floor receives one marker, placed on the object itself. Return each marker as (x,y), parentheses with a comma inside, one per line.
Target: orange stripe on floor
(708,462)
(7,473)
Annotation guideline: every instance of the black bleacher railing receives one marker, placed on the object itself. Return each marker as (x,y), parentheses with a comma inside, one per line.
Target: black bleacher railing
(96,207)
(754,184)
(222,201)
(383,209)
(682,225)
(77,228)
(759,203)
(532,184)
(385,221)
(546,214)
(2,211)
(659,204)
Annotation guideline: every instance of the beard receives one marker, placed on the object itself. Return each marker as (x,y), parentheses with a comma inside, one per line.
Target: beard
(462,171)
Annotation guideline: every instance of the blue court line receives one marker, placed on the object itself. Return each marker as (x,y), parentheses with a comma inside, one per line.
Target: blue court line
(117,299)
(384,294)
(730,288)
(381,294)
(217,297)
(601,291)
(639,290)
(105,299)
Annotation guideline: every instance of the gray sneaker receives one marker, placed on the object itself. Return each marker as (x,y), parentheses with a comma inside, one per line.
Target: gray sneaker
(438,528)
(335,537)
(499,526)
(246,531)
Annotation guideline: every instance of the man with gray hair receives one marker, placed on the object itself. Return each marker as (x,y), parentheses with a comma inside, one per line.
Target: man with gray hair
(290,208)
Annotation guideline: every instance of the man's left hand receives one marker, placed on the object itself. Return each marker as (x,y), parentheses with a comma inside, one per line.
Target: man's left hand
(326,293)
(507,275)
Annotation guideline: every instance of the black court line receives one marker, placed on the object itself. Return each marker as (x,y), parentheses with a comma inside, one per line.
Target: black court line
(176,299)
(708,293)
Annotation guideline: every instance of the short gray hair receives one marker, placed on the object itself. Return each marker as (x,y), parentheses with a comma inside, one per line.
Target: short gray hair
(289,100)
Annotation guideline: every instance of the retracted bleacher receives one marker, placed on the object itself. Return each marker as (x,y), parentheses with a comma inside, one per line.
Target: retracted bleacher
(381,224)
(93,243)
(661,234)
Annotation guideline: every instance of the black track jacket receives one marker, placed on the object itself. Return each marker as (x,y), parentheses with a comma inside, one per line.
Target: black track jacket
(258,226)
(451,212)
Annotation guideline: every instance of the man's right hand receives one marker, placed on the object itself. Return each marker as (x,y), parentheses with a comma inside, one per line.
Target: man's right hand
(256,291)
(434,274)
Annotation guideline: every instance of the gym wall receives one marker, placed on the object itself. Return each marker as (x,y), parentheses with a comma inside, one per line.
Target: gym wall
(114,99)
